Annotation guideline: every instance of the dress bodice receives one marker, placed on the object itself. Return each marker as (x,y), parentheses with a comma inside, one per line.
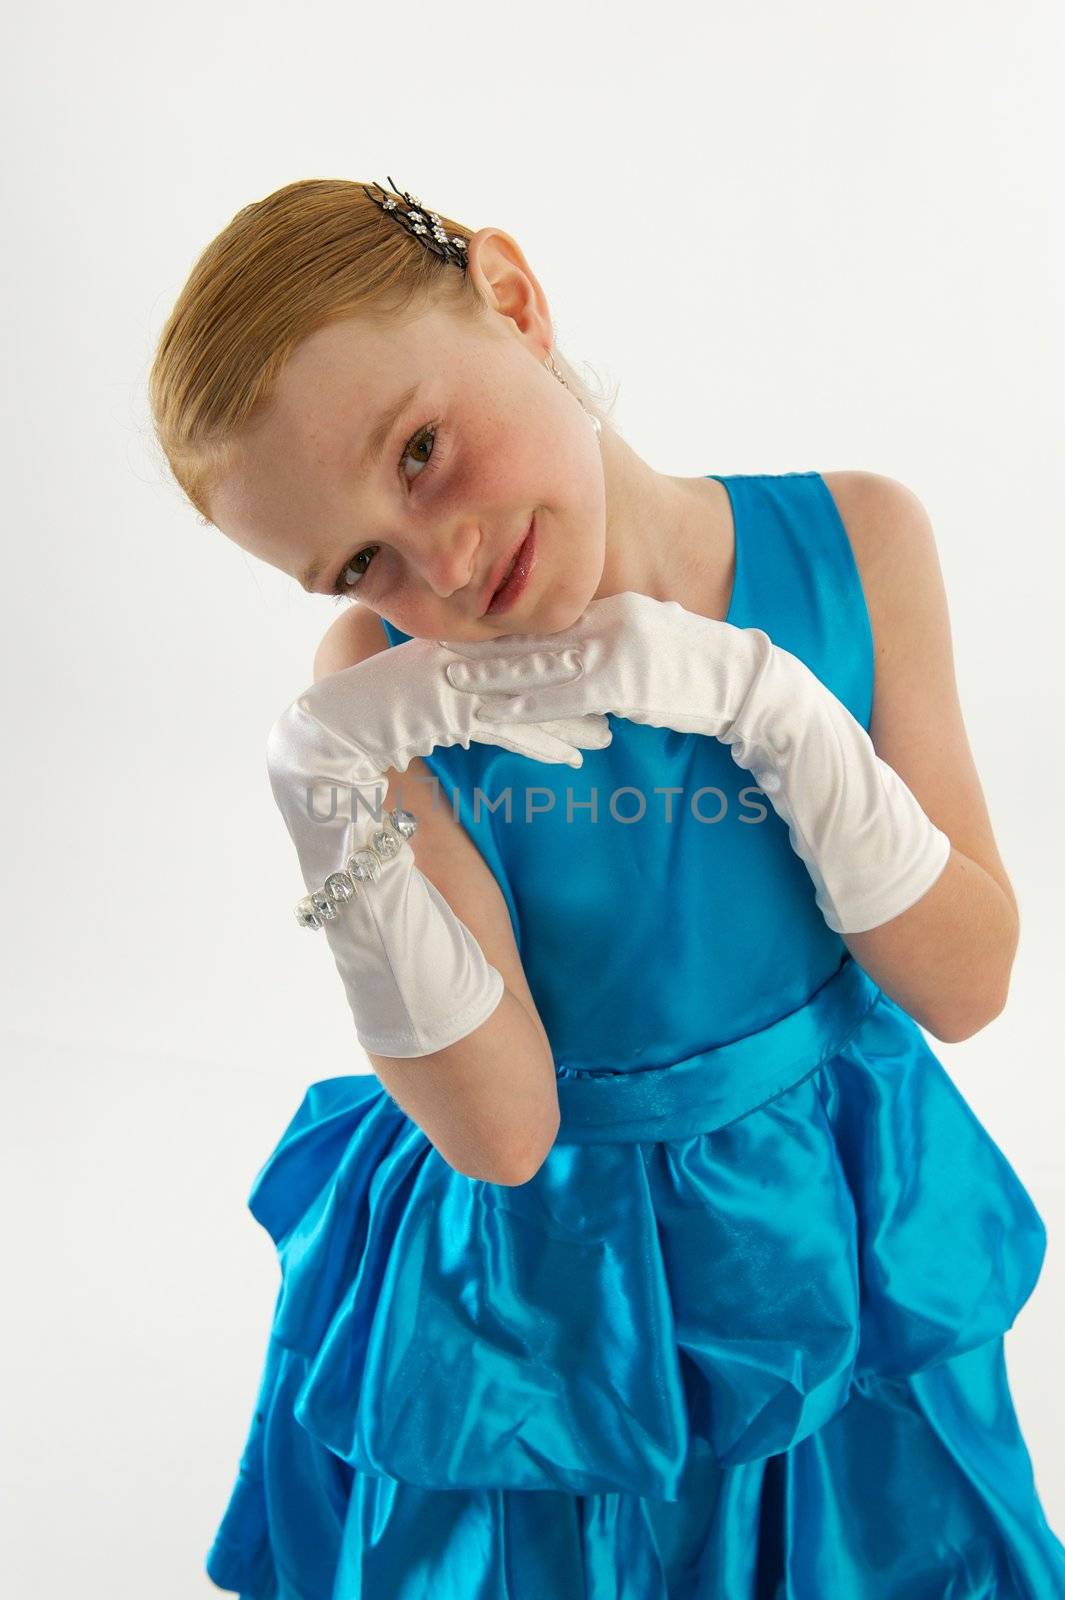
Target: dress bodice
(656,902)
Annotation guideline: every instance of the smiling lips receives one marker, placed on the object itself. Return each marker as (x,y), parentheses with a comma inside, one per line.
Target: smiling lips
(503,576)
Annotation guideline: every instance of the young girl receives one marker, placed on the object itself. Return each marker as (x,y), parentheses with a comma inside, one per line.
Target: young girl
(661,1259)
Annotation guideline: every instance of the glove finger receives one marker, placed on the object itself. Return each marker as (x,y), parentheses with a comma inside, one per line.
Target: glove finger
(481,649)
(591,732)
(533,741)
(508,644)
(507,674)
(548,707)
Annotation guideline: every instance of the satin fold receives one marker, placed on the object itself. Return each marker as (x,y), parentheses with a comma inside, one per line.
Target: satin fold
(441,1344)
(462,1334)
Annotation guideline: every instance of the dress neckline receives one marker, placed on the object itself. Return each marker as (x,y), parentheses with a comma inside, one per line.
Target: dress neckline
(737,542)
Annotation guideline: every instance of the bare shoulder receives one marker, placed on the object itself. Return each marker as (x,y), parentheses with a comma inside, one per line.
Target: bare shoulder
(917,725)
(894,547)
(357,633)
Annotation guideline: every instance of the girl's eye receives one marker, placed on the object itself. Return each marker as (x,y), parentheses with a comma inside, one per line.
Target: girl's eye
(352,574)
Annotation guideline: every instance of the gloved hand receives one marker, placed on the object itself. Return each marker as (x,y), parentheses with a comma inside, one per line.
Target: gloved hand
(415,977)
(868,846)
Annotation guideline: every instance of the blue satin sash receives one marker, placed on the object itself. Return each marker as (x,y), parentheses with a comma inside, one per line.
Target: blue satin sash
(705,1091)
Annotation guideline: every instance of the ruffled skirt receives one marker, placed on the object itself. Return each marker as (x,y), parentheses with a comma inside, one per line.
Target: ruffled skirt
(761,1360)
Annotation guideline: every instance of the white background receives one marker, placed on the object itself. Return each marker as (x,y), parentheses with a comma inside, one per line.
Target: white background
(799,237)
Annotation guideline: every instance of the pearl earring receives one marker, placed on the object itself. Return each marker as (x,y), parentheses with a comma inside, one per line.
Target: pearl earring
(552,365)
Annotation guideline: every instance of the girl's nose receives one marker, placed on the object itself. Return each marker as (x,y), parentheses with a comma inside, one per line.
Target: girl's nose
(451,564)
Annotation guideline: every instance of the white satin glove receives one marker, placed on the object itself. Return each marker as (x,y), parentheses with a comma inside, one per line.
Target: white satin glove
(415,977)
(870,849)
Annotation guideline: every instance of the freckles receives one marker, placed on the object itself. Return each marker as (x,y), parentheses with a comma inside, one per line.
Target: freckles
(513,469)
(462,474)
(482,484)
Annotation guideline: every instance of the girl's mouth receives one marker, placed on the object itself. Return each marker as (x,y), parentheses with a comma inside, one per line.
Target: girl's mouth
(513,585)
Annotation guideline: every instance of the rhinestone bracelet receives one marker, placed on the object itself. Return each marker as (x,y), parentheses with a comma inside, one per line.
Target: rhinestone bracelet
(363,866)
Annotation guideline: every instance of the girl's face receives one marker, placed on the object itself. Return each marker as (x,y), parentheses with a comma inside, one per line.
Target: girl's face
(417,514)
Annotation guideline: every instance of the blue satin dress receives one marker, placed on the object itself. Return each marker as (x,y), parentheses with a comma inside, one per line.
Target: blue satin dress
(742,1334)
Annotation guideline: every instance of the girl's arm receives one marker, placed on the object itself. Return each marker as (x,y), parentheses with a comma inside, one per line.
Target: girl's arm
(947,960)
(488,1102)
